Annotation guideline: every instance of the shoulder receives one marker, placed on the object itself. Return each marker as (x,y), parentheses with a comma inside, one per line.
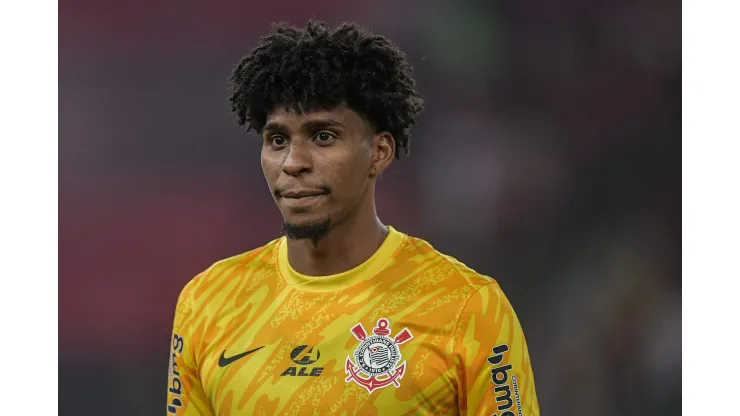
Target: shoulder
(436,263)
(219,272)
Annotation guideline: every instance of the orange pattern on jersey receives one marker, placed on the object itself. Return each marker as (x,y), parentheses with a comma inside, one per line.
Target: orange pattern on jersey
(463,351)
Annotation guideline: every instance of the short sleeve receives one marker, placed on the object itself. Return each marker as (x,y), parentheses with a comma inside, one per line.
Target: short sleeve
(185,394)
(492,362)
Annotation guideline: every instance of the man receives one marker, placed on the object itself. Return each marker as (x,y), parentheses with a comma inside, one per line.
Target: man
(343,314)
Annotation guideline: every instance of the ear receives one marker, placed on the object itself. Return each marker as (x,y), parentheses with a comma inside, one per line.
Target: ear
(383,151)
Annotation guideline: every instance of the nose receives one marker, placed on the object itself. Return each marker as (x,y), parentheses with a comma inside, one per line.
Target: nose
(297,160)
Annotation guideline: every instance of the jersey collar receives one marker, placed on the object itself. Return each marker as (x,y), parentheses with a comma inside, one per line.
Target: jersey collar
(372,266)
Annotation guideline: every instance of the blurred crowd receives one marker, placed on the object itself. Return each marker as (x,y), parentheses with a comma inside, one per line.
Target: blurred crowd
(548,157)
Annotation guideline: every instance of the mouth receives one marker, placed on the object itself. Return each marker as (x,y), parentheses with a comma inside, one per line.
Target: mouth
(302,193)
(300,199)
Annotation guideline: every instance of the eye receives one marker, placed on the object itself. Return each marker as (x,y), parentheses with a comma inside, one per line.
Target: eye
(324,137)
(277,141)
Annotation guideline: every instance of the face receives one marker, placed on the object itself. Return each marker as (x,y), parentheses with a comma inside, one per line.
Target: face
(321,166)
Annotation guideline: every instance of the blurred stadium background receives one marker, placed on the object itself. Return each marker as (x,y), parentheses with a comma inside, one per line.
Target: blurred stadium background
(548,157)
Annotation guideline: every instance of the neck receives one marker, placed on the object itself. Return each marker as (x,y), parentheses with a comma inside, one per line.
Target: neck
(347,245)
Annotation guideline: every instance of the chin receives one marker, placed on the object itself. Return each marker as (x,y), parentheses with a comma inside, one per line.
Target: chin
(303,216)
(313,229)
(306,218)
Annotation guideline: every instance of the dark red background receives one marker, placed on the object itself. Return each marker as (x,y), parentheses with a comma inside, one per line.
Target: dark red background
(548,157)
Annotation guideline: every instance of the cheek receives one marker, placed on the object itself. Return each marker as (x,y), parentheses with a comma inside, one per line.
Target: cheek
(269,169)
(349,178)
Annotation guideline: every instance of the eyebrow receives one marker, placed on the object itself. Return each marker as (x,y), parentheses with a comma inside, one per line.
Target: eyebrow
(307,126)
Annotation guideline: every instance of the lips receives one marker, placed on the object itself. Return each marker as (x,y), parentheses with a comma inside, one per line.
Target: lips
(299,200)
(301,193)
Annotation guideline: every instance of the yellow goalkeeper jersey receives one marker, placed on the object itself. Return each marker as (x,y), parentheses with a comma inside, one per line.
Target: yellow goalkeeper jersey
(409,332)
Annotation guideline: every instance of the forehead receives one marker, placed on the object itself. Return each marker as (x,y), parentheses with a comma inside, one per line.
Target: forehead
(290,118)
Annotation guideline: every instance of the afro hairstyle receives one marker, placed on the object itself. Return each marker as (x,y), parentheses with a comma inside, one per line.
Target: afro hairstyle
(320,68)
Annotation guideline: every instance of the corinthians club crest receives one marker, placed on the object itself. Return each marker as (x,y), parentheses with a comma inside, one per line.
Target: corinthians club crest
(376,359)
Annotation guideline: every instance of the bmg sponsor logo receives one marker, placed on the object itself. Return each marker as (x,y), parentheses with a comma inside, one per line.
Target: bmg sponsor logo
(502,388)
(175,384)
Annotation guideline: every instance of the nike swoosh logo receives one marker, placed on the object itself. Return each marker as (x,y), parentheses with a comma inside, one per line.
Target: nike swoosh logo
(223,361)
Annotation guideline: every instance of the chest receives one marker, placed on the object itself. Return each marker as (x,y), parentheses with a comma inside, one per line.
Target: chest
(337,361)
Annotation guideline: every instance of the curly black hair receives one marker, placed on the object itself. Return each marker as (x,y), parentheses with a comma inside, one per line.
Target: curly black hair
(317,67)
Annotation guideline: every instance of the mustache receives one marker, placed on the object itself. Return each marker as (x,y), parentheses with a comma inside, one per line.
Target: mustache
(280,189)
